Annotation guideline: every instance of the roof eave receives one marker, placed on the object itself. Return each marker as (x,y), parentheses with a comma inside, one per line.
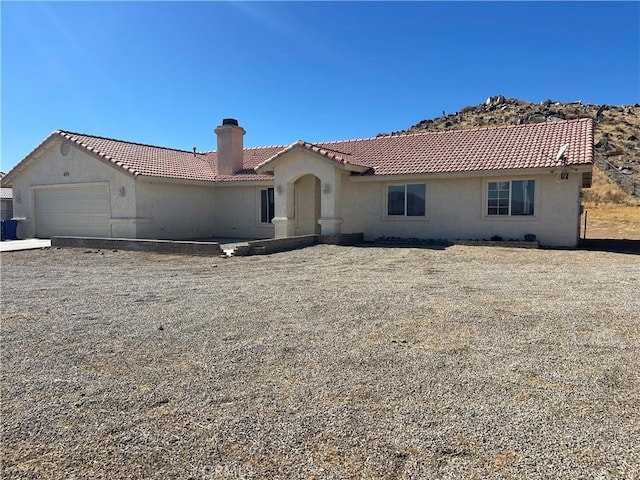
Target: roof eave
(100,155)
(174,180)
(506,172)
(42,147)
(268,166)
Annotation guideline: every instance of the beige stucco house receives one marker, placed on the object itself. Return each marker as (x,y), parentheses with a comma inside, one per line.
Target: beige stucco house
(470,184)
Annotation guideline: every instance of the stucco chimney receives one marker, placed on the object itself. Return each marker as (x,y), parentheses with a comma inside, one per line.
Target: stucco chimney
(230,146)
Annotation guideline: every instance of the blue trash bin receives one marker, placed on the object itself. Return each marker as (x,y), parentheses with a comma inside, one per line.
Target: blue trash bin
(10,229)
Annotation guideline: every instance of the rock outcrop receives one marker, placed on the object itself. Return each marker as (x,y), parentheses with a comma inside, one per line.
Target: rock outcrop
(617,129)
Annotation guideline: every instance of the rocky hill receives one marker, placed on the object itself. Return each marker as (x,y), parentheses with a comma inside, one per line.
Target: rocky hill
(617,129)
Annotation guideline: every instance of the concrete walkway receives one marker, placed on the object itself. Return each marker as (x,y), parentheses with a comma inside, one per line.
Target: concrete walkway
(27,244)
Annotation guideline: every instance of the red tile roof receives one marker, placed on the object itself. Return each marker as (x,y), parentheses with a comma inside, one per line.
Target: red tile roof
(484,149)
(252,157)
(148,160)
(341,158)
(139,159)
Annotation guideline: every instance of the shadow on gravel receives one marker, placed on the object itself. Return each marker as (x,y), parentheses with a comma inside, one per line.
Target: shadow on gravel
(592,244)
(610,245)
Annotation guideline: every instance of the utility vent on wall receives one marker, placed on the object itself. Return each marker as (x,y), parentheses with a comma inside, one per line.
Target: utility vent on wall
(65,147)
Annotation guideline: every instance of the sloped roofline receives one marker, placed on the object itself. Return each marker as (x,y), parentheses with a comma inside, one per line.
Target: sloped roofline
(343,160)
(453,131)
(347,160)
(70,136)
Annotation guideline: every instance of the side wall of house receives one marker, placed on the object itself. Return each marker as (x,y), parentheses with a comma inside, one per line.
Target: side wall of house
(52,169)
(456,209)
(170,211)
(237,212)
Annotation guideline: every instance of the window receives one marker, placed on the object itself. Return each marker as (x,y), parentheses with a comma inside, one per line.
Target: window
(511,198)
(266,205)
(406,200)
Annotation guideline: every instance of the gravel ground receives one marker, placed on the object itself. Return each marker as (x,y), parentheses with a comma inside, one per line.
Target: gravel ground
(327,363)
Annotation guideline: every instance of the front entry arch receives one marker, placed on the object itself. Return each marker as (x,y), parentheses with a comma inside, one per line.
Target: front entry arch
(307,204)
(308,190)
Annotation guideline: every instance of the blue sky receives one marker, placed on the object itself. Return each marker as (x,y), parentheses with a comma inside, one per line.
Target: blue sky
(166,73)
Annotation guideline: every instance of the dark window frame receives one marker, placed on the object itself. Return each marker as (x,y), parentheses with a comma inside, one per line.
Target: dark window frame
(267,205)
(406,200)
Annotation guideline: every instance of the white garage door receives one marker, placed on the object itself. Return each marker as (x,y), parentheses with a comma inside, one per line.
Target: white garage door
(76,211)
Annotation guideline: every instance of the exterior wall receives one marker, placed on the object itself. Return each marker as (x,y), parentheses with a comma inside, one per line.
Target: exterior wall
(175,211)
(138,208)
(76,168)
(237,212)
(456,210)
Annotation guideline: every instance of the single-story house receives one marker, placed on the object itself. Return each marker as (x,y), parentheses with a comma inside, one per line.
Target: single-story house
(457,185)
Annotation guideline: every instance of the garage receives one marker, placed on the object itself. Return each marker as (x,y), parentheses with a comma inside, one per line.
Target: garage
(73,211)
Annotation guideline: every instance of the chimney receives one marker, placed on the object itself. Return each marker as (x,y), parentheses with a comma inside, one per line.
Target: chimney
(230,146)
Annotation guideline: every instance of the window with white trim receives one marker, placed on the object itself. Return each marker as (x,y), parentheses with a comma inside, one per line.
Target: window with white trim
(407,200)
(511,198)
(267,205)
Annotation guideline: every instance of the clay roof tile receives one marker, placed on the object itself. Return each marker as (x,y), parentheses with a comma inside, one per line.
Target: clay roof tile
(455,151)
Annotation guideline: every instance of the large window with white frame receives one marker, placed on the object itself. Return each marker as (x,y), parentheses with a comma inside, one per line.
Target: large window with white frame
(407,200)
(511,198)
(267,205)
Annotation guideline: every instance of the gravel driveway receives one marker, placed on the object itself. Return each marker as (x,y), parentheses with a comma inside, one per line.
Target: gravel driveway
(327,363)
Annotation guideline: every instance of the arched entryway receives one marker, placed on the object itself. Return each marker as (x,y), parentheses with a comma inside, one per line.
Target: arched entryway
(307,205)
(308,188)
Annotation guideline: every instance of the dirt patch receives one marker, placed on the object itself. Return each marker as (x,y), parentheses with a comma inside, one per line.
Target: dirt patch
(612,221)
(327,362)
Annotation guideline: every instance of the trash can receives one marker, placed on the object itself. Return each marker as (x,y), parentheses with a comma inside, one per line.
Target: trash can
(10,229)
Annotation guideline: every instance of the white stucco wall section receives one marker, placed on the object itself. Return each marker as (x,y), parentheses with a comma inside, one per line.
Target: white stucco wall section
(174,211)
(237,211)
(139,207)
(49,168)
(456,209)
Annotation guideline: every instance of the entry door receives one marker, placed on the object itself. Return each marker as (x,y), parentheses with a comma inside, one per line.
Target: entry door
(307,205)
